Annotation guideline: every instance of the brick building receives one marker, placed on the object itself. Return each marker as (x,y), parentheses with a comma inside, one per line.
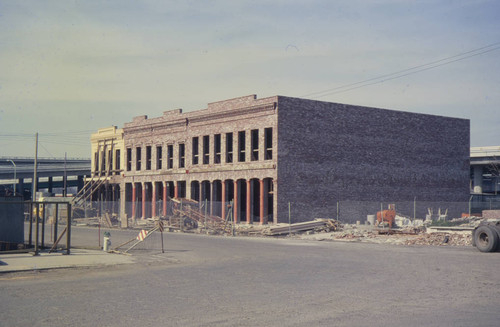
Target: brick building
(262,154)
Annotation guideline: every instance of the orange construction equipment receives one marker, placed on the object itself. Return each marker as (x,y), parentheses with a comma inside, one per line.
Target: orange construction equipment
(387,215)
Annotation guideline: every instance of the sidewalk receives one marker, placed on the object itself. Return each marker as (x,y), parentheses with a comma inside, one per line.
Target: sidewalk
(77,258)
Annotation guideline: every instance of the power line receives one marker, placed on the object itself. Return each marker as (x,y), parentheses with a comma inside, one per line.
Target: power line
(68,143)
(55,133)
(51,155)
(62,139)
(405,72)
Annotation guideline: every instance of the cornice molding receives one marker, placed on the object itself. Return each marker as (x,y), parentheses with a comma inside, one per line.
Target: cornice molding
(193,118)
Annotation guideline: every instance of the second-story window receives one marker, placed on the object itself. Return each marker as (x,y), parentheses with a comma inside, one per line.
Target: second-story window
(138,158)
(170,156)
(129,159)
(255,145)
(158,157)
(206,150)
(117,162)
(103,161)
(229,147)
(195,150)
(110,161)
(268,143)
(96,161)
(148,157)
(217,149)
(241,146)
(182,154)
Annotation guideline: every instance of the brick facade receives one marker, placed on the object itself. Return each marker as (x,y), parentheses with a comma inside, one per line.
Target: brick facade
(329,152)
(211,175)
(309,153)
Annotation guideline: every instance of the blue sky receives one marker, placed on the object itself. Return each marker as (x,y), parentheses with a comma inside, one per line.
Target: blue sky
(68,68)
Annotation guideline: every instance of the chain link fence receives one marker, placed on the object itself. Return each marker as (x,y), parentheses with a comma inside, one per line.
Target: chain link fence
(343,211)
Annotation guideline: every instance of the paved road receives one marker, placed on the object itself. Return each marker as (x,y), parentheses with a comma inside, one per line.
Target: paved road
(223,281)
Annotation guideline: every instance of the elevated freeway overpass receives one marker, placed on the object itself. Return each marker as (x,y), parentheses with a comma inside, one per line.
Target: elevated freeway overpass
(18,172)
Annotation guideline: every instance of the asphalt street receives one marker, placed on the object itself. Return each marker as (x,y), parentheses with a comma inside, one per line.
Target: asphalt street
(223,281)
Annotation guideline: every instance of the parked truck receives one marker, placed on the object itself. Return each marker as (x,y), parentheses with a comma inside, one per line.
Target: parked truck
(486,236)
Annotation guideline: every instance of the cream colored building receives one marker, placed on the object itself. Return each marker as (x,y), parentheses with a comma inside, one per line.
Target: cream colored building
(107,152)
(107,162)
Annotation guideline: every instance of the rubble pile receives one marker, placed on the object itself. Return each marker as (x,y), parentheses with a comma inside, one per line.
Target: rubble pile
(466,221)
(441,239)
(353,234)
(397,236)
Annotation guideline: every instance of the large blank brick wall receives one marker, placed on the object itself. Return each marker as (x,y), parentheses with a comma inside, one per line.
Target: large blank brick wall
(329,152)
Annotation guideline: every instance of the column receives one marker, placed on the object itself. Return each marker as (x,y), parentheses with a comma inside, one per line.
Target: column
(164,198)
(249,202)
(50,184)
(20,186)
(235,203)
(176,190)
(123,213)
(188,187)
(134,195)
(261,194)
(223,200)
(143,200)
(153,201)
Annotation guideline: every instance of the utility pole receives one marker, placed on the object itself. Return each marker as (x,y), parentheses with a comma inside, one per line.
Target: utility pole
(65,177)
(35,177)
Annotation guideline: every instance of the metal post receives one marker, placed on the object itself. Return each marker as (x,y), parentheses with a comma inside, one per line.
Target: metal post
(43,226)
(99,231)
(289,219)
(161,231)
(68,230)
(65,177)
(470,199)
(35,173)
(36,228)
(338,210)
(205,222)
(52,223)
(181,216)
(231,215)
(415,208)
(382,214)
(56,222)
(30,237)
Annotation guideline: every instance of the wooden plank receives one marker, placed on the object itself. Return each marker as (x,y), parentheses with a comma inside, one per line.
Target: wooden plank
(58,239)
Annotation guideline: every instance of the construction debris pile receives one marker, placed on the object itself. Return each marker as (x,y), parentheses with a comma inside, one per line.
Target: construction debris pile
(451,239)
(384,227)
(187,216)
(399,236)
(317,225)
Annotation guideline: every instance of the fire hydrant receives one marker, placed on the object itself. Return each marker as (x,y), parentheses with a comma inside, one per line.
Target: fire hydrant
(107,241)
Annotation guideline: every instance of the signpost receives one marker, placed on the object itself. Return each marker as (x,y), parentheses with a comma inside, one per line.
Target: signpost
(160,227)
